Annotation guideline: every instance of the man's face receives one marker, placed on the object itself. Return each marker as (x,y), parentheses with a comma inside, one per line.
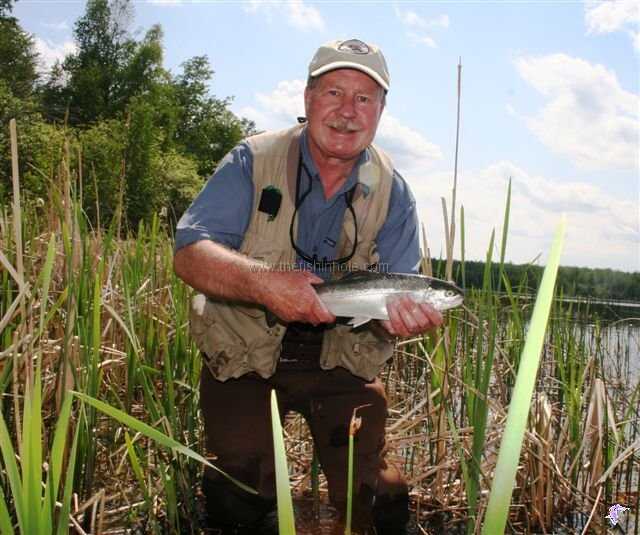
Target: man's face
(343,110)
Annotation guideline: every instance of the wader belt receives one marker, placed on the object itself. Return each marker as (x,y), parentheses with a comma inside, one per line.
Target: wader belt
(301,347)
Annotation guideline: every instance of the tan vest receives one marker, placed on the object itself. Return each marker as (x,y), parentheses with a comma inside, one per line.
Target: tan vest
(235,337)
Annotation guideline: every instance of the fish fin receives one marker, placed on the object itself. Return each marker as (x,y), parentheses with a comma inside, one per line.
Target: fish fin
(358,320)
(361,274)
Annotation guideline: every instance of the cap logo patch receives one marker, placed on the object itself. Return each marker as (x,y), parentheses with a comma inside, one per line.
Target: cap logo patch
(354,46)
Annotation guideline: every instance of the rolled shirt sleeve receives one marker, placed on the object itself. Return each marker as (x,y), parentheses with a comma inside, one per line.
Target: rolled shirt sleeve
(221,211)
(398,240)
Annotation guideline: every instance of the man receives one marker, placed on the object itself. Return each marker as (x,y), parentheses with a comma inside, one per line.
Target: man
(283,212)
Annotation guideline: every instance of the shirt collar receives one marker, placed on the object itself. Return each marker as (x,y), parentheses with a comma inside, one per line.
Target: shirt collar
(353,176)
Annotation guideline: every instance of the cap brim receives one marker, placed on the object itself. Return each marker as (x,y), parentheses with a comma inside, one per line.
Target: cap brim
(349,65)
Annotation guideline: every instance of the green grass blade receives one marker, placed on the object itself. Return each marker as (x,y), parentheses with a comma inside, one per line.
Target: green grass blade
(505,233)
(57,305)
(63,518)
(46,280)
(462,248)
(286,523)
(354,427)
(135,465)
(11,466)
(347,526)
(6,527)
(155,435)
(33,438)
(458,445)
(505,474)
(57,457)
(169,486)
(31,456)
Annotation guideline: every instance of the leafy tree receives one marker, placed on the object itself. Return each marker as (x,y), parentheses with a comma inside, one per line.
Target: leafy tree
(181,183)
(103,151)
(5,7)
(95,72)
(207,128)
(54,96)
(606,284)
(146,138)
(144,70)
(30,139)
(17,55)
(142,191)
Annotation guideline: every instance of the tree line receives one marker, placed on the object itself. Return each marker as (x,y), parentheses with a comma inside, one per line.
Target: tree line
(132,133)
(590,283)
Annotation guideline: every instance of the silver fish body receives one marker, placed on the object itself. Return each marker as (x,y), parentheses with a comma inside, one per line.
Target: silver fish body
(364,295)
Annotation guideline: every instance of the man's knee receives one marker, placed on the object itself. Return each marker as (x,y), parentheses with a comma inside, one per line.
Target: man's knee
(375,390)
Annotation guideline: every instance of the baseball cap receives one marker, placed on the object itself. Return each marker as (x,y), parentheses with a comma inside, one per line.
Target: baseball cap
(351,54)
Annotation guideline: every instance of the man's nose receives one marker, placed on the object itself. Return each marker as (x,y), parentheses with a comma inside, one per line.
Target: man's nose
(347,108)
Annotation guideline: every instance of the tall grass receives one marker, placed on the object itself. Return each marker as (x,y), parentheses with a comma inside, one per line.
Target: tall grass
(511,444)
(112,326)
(115,330)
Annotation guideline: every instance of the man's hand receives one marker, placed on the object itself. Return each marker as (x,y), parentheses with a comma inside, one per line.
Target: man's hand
(408,318)
(291,297)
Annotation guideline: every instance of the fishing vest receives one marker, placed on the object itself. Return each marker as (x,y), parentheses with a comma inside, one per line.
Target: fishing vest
(235,337)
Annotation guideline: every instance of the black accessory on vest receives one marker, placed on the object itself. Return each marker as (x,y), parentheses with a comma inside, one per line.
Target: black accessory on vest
(314,261)
(270,200)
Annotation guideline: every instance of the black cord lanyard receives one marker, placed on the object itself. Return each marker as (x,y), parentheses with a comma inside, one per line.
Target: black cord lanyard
(314,260)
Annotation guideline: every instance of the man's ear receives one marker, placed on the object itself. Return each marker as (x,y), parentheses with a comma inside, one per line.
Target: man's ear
(307,98)
(384,103)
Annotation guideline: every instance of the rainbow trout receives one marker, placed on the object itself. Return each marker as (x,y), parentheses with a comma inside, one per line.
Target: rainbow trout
(363,295)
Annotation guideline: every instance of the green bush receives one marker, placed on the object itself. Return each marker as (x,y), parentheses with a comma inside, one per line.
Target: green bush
(178,177)
(103,152)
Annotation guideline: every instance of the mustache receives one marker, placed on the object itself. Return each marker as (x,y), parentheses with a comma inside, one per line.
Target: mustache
(343,125)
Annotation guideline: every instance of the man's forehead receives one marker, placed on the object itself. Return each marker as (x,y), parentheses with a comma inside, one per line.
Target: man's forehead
(349,77)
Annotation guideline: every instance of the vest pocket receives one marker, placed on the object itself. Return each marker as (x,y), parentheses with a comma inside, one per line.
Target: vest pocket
(233,341)
(360,351)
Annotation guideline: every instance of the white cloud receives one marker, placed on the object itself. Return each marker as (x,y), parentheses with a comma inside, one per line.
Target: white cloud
(418,27)
(277,109)
(412,19)
(51,52)
(410,150)
(418,39)
(612,16)
(296,13)
(588,116)
(602,231)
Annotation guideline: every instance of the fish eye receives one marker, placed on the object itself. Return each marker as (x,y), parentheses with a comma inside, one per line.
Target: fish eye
(449,293)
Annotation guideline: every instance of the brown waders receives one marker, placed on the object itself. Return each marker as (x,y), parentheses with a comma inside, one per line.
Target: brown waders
(238,431)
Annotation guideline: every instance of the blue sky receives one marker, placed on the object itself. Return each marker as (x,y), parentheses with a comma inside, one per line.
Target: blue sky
(550,97)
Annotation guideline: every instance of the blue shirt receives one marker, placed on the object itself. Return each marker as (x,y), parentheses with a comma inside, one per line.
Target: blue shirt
(222,211)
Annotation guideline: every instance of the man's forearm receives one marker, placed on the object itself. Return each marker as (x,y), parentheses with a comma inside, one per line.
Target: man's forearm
(217,271)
